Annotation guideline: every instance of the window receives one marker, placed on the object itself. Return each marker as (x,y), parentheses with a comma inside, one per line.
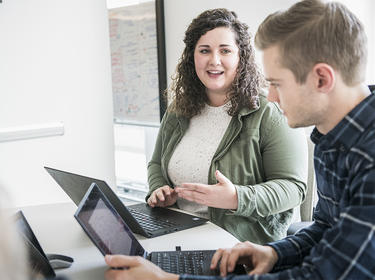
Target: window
(133,149)
(136,30)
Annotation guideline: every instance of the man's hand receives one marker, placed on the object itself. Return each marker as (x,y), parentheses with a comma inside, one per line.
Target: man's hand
(162,197)
(222,195)
(135,268)
(260,259)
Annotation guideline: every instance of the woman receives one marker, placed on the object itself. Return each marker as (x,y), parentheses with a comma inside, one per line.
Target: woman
(229,151)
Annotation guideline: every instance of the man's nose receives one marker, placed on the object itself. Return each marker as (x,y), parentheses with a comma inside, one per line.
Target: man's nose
(272,95)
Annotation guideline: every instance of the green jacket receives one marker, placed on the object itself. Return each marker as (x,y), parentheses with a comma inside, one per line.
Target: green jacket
(265,160)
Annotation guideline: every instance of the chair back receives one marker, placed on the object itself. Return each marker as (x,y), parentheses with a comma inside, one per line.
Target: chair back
(307,207)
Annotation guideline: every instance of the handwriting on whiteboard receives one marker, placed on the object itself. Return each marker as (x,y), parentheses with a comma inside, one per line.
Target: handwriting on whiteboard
(134,63)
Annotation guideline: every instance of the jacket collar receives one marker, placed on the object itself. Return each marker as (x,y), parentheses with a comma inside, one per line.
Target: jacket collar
(347,132)
(246,111)
(184,122)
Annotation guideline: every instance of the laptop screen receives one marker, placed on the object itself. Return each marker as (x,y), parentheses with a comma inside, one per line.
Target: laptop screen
(75,185)
(24,229)
(38,260)
(104,225)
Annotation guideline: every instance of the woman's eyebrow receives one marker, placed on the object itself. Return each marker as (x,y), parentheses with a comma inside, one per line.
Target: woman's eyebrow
(221,45)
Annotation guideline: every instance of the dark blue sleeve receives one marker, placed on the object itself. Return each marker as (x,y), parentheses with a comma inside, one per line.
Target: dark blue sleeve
(345,250)
(293,249)
(342,251)
(230,277)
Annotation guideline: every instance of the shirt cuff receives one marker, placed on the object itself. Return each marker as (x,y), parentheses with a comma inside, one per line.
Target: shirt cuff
(283,250)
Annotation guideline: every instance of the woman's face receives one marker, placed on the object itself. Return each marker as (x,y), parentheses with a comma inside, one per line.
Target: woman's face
(216,57)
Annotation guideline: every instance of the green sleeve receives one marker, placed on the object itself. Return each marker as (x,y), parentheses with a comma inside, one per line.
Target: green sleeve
(154,170)
(284,160)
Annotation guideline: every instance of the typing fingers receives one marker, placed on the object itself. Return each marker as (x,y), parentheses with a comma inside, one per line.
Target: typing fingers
(233,259)
(223,264)
(152,200)
(160,195)
(216,258)
(166,190)
(225,259)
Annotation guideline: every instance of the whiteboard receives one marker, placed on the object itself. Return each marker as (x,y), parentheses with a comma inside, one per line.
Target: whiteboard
(134,60)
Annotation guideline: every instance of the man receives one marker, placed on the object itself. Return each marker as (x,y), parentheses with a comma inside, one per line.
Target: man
(314,57)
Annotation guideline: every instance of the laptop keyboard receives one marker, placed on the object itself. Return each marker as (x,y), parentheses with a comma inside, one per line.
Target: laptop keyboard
(190,262)
(148,222)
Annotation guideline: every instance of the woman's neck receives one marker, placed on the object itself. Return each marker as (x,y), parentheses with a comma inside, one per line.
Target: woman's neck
(216,100)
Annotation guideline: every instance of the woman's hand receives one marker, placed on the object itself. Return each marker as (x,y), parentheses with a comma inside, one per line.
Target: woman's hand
(222,195)
(260,259)
(162,197)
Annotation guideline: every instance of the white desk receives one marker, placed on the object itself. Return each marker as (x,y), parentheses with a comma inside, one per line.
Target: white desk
(58,232)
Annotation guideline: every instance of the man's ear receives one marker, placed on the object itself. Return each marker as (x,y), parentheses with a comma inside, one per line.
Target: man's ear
(324,77)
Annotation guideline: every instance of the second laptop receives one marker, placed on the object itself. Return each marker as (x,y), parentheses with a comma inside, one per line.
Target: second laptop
(141,218)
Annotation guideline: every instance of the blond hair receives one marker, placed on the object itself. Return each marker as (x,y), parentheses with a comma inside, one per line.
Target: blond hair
(311,32)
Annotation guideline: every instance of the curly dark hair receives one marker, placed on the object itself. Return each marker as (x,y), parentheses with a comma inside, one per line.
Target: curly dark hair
(189,93)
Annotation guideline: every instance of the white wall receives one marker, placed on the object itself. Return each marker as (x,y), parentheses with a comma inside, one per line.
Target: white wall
(55,67)
(364,10)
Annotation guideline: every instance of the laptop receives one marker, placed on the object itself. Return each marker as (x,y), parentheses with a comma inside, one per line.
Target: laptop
(37,259)
(111,235)
(141,218)
(40,262)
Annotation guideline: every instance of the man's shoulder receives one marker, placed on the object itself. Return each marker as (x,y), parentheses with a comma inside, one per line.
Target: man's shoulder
(365,144)
(363,119)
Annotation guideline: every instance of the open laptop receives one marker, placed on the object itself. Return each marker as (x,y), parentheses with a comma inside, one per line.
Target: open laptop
(111,235)
(141,218)
(38,261)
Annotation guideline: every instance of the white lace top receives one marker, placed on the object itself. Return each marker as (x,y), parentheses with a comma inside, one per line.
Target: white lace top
(192,157)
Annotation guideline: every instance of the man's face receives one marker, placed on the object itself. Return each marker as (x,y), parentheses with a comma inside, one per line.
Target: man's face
(298,101)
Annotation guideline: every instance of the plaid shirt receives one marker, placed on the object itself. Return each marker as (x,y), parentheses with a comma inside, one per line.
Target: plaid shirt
(340,244)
